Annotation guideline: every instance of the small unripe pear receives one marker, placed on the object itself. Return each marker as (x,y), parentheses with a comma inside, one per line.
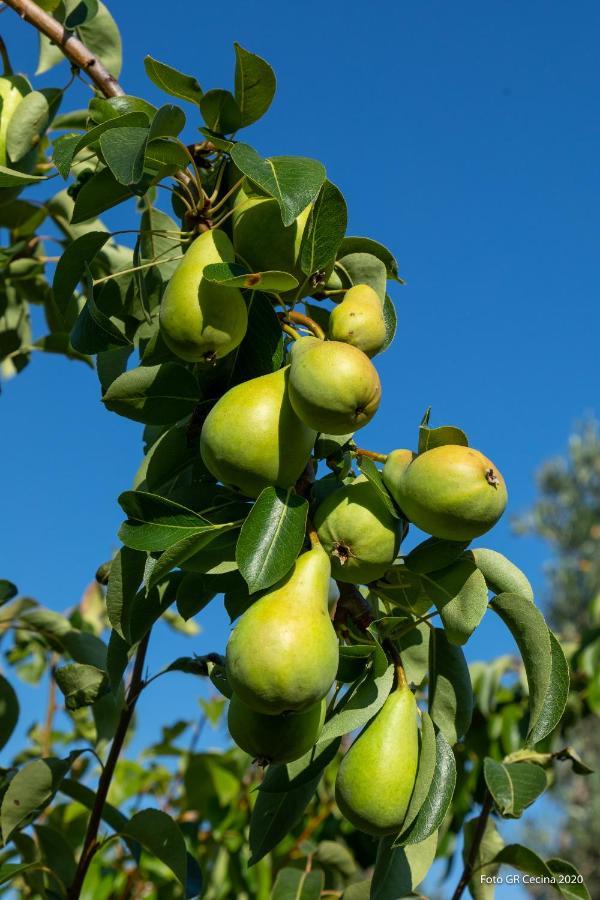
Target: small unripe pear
(451,492)
(252,437)
(358,320)
(275,739)
(377,775)
(201,321)
(10,98)
(394,466)
(282,655)
(358,532)
(334,387)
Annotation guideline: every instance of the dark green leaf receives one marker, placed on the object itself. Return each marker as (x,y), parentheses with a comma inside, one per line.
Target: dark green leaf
(514,786)
(81,684)
(126,574)
(271,537)
(79,12)
(296,884)
(11,178)
(390,320)
(557,693)
(281,778)
(435,806)
(8,590)
(294,181)
(156,523)
(425,772)
(173,82)
(434,554)
(364,268)
(530,631)
(254,85)
(185,550)
(367,245)
(398,870)
(29,122)
(465,599)
(101,36)
(71,266)
(169,121)
(501,575)
(220,111)
(324,229)
(160,836)
(9,711)
(274,816)
(100,192)
(8,871)
(261,352)
(57,853)
(123,149)
(437,437)
(157,395)
(450,691)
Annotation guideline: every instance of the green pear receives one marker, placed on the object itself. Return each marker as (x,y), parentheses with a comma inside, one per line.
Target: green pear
(396,462)
(200,321)
(334,387)
(253,438)
(358,532)
(358,320)
(10,97)
(275,739)
(282,655)
(451,492)
(377,775)
(261,239)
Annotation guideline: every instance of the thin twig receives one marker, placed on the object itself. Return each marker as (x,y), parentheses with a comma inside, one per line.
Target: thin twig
(474,848)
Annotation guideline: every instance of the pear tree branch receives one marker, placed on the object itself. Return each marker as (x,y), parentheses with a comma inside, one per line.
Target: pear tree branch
(70,45)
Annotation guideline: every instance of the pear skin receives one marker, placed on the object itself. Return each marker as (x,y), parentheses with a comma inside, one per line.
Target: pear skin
(262,241)
(394,466)
(358,320)
(200,321)
(253,438)
(275,739)
(282,655)
(10,98)
(334,387)
(358,531)
(451,492)
(377,775)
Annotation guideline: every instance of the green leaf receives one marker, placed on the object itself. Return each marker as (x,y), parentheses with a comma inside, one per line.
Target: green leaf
(368,468)
(71,266)
(525,860)
(527,626)
(156,395)
(169,121)
(450,691)
(324,229)
(438,437)
(398,870)
(465,599)
(234,275)
(557,694)
(81,684)
(8,590)
(101,36)
(275,814)
(434,554)
(296,884)
(514,786)
(568,880)
(79,12)
(156,523)
(100,192)
(161,836)
(254,85)
(57,852)
(8,871)
(364,268)
(173,82)
(271,537)
(94,332)
(490,844)
(185,549)
(364,701)
(123,149)
(31,790)
(501,575)
(126,574)
(425,771)
(294,181)
(374,248)
(390,321)
(439,797)
(220,111)
(262,350)
(29,122)
(12,178)
(9,711)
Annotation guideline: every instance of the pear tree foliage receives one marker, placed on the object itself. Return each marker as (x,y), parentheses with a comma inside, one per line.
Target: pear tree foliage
(239,323)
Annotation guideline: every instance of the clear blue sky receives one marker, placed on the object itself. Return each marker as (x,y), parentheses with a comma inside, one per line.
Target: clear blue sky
(465,136)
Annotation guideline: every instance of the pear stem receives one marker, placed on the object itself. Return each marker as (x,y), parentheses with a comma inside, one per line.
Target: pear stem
(313,537)
(371,454)
(291,331)
(301,319)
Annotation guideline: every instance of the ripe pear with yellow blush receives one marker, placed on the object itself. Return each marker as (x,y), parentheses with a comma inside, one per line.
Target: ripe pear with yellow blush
(334,387)
(275,739)
(377,775)
(201,321)
(283,653)
(358,320)
(252,437)
(451,492)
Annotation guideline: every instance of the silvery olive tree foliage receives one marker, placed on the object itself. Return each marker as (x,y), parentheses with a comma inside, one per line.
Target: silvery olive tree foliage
(238,326)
